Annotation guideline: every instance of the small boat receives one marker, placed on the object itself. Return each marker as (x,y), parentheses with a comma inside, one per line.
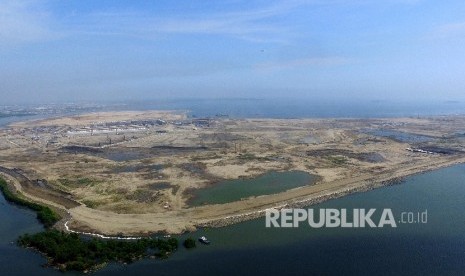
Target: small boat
(204,240)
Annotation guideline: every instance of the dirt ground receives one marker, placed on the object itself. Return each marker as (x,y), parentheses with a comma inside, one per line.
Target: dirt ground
(133,172)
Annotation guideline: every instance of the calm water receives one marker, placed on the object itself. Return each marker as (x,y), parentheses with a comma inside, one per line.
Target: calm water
(232,190)
(8,120)
(14,260)
(400,136)
(301,108)
(434,248)
(272,108)
(437,247)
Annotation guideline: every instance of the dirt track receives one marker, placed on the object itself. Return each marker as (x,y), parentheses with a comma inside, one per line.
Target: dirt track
(28,187)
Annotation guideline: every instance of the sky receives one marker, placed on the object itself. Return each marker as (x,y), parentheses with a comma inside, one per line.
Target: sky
(87,50)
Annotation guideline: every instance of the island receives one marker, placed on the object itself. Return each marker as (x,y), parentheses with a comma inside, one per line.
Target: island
(136,173)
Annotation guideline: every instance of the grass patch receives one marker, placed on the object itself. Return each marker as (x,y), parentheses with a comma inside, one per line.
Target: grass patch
(85,181)
(175,189)
(251,156)
(205,157)
(337,160)
(79,182)
(91,204)
(247,156)
(141,196)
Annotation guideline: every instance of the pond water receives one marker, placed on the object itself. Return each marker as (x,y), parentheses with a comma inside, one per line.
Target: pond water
(232,190)
(400,136)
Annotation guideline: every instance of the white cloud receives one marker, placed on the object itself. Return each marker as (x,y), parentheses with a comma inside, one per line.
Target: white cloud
(260,24)
(252,24)
(27,21)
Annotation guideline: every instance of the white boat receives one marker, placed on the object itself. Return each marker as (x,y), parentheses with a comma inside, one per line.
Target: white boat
(204,240)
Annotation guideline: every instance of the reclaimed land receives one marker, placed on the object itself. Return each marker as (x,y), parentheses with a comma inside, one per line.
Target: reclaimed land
(132,173)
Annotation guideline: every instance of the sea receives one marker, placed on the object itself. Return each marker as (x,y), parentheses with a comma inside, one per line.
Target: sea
(434,247)
(288,108)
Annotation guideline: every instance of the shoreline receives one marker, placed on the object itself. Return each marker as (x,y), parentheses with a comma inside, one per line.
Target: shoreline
(351,186)
(189,220)
(141,189)
(397,180)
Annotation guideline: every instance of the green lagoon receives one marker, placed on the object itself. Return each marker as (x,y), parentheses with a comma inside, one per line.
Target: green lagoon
(233,190)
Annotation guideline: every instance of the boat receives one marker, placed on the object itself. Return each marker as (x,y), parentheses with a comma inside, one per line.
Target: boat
(204,240)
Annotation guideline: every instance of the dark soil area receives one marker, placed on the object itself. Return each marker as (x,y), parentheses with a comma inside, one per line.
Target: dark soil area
(370,157)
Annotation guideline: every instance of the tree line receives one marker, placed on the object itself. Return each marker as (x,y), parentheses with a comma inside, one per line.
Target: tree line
(69,251)
(44,214)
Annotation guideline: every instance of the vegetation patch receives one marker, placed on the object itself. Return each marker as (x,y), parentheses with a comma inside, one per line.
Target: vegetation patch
(189,243)
(68,251)
(91,203)
(370,157)
(78,182)
(206,157)
(252,157)
(71,252)
(247,156)
(197,168)
(175,189)
(337,160)
(142,196)
(158,186)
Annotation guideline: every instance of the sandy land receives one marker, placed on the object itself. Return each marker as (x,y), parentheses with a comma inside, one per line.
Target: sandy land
(101,117)
(225,214)
(132,173)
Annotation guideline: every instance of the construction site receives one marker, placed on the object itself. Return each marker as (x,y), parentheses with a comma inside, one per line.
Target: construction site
(137,173)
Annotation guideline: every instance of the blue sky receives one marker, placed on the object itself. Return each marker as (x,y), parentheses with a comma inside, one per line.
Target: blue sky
(85,50)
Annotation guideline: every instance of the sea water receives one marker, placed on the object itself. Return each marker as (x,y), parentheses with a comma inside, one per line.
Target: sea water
(249,248)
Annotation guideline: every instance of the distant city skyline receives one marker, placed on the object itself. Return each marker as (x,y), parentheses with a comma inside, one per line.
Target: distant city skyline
(83,51)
